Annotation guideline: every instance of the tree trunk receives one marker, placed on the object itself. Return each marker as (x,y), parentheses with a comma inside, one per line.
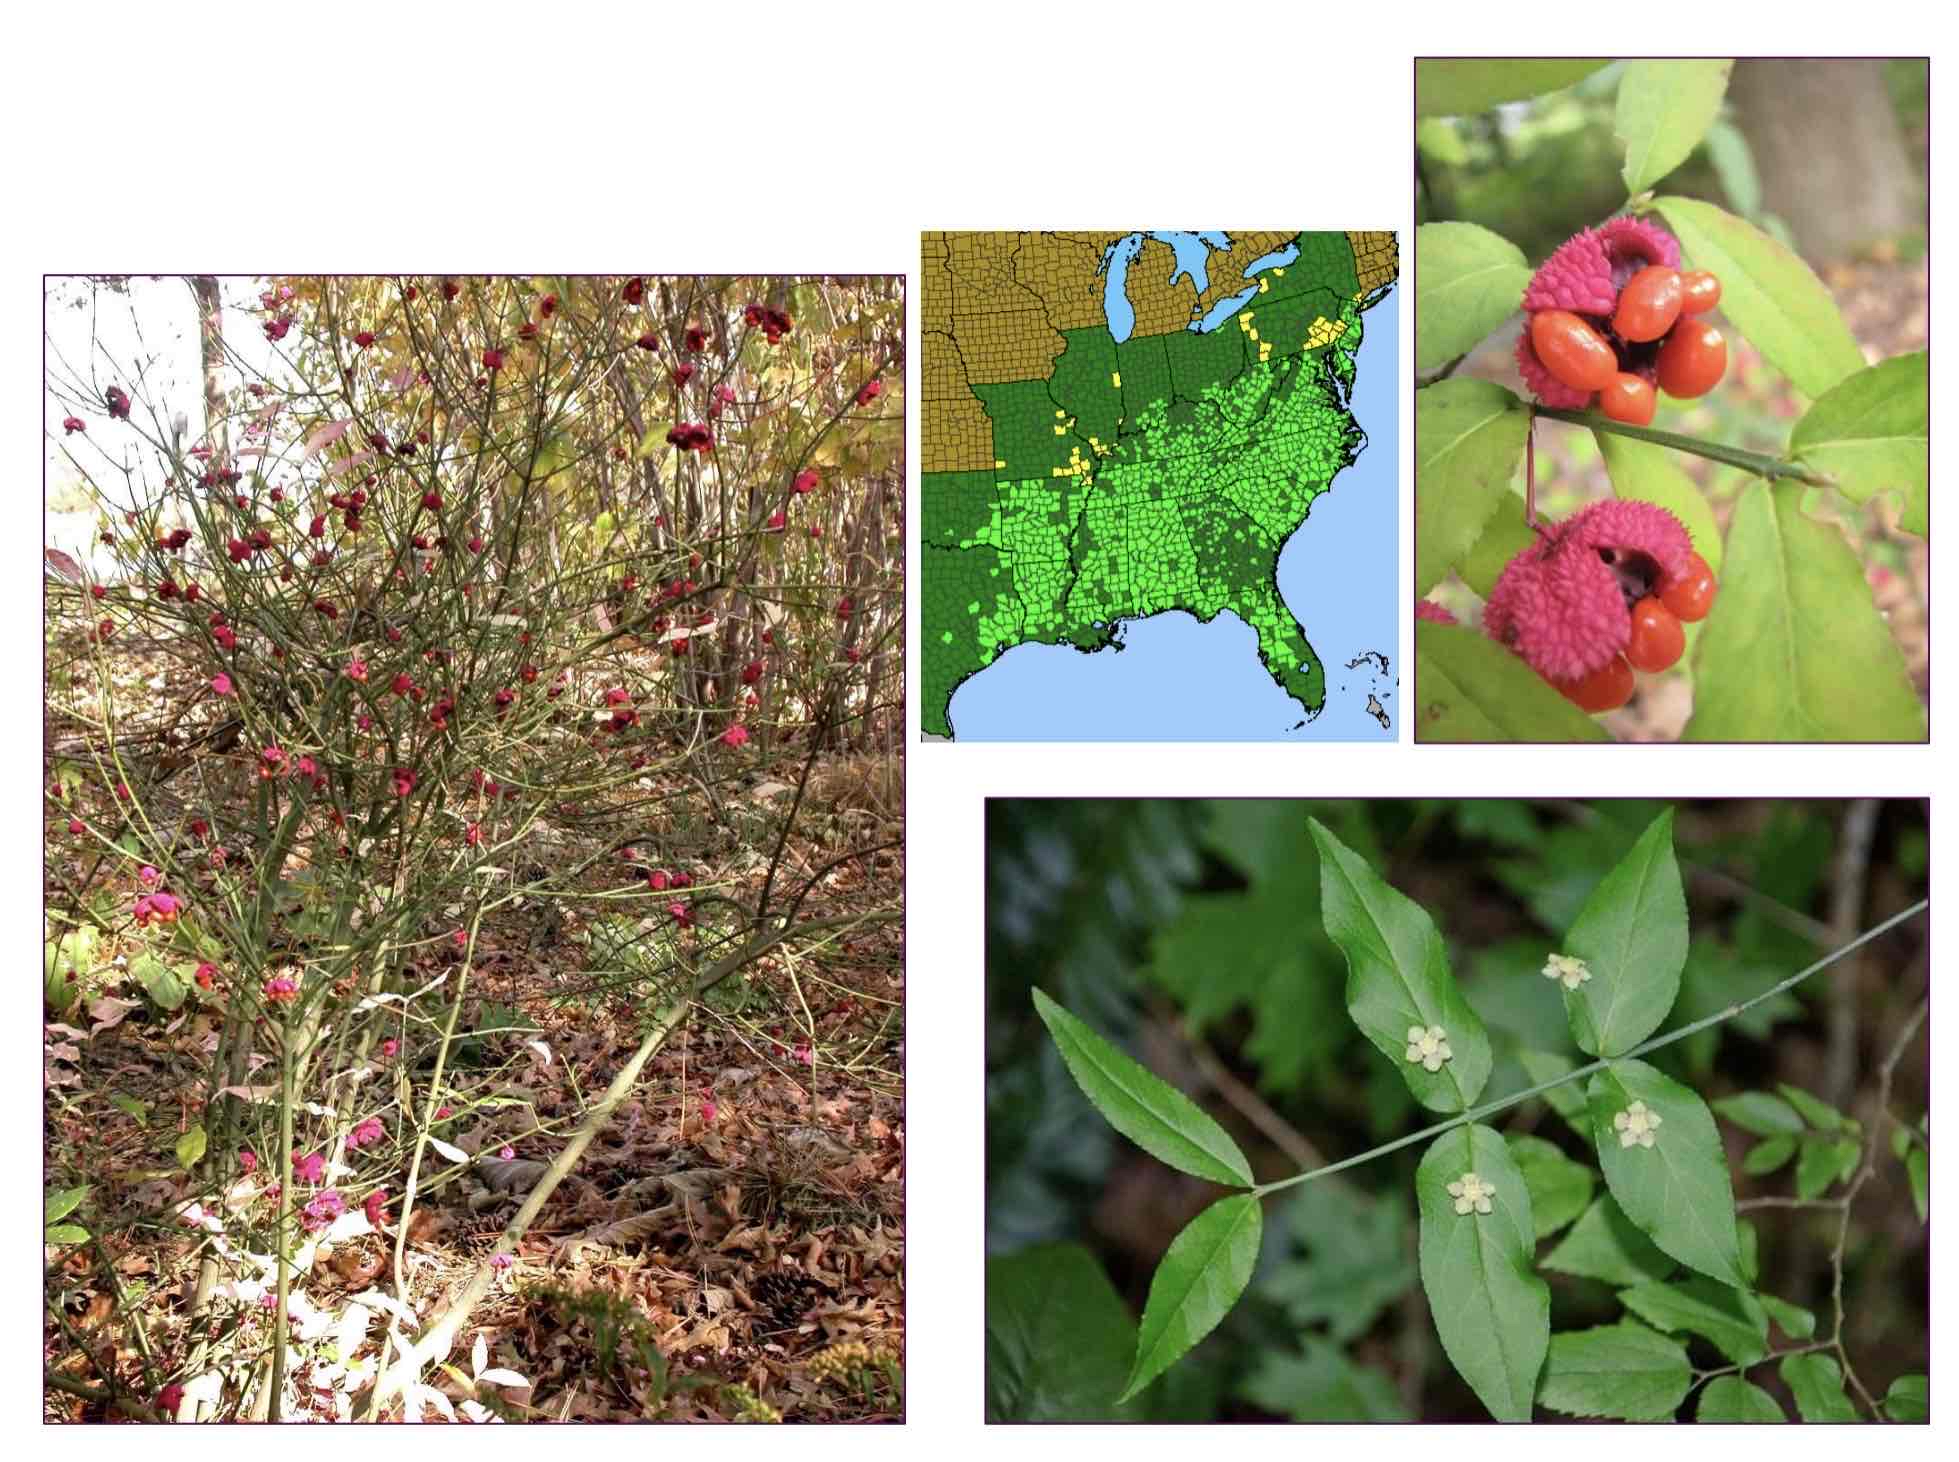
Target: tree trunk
(1830,153)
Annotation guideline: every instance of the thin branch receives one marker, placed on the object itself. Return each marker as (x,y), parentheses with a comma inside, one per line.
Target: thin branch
(1759,463)
(1476,1114)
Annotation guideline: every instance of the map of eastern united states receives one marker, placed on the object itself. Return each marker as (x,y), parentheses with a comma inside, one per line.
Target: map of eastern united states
(1073,480)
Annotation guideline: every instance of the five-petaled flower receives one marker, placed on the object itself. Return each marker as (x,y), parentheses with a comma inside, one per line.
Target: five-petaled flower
(1567,968)
(1471,1192)
(1636,1125)
(1428,1048)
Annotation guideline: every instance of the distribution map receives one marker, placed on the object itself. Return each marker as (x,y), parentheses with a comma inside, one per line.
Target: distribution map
(1117,426)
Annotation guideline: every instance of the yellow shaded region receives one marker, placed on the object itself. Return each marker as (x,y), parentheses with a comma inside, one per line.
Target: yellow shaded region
(1115,379)
(1324,332)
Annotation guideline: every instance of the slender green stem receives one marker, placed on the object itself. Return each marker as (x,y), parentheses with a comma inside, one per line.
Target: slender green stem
(1759,463)
(1476,1114)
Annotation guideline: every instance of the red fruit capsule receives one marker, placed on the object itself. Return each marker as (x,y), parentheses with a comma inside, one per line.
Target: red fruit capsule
(1699,292)
(1572,351)
(1606,689)
(1628,398)
(1649,304)
(1693,359)
(1657,638)
(1691,595)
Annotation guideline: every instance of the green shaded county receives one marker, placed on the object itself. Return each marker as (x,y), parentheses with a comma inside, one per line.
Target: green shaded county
(1174,491)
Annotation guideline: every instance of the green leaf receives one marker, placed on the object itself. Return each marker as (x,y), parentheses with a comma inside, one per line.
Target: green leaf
(1147,1110)
(1794,649)
(1623,1370)
(1560,1189)
(1817,1385)
(1466,88)
(190,1147)
(1398,977)
(1871,431)
(1909,1399)
(131,1106)
(1355,1259)
(1815,1111)
(1321,1383)
(1665,108)
(62,1202)
(160,982)
(1823,1163)
(1646,472)
(1492,1313)
(1766,1156)
(1468,281)
(1201,1276)
(1771,295)
(1632,935)
(1677,1190)
(1729,1398)
(1469,435)
(1918,1168)
(1568,1101)
(1793,1320)
(1469,688)
(1606,1245)
(1733,1319)
(1058,1340)
(1506,536)
(66,1233)
(1761,1114)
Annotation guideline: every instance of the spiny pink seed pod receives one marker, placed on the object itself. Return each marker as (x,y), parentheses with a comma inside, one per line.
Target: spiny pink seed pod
(1429,612)
(1584,275)
(1565,603)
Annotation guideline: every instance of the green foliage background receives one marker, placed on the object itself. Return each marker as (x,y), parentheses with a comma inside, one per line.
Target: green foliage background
(1190,933)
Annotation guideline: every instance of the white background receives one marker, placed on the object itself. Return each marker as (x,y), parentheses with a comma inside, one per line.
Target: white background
(738,137)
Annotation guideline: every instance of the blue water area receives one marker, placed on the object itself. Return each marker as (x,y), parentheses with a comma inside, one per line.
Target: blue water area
(1277,259)
(1115,301)
(1193,252)
(1178,680)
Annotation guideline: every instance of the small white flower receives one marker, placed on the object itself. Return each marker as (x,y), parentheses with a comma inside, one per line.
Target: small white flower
(1567,968)
(1428,1048)
(1471,1193)
(1636,1125)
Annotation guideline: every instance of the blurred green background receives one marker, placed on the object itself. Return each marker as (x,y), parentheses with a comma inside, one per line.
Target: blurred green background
(1189,933)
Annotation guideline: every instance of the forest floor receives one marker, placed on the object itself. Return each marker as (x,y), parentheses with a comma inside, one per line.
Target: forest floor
(742,1215)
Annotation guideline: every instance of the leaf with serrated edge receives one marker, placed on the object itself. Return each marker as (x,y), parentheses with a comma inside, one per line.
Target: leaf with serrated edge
(1560,1189)
(1871,431)
(1398,976)
(1605,1245)
(1632,935)
(1794,596)
(1733,1319)
(1469,438)
(1768,1155)
(1568,1100)
(1817,1385)
(1677,1191)
(1624,1370)
(1664,108)
(1140,1105)
(1468,281)
(1769,294)
(1729,1398)
(1203,1273)
(1817,1112)
(1492,1312)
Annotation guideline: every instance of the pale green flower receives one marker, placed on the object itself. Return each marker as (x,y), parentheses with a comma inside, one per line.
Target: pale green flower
(1471,1194)
(1636,1125)
(1567,968)
(1428,1048)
